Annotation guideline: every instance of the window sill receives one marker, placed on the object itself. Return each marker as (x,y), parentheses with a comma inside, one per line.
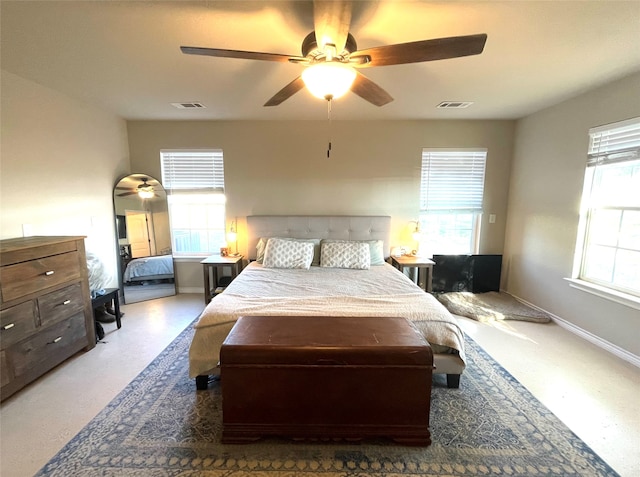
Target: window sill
(606,293)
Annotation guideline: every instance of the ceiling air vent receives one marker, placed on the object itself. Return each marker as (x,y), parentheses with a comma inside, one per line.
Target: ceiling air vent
(188,105)
(455,104)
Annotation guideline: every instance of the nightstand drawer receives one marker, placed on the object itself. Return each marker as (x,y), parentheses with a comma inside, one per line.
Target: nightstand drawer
(60,304)
(30,277)
(16,323)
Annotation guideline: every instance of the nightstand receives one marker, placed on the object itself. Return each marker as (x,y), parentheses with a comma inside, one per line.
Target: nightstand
(423,266)
(213,267)
(110,295)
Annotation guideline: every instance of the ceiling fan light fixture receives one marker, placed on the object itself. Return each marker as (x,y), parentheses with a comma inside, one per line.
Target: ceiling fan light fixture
(145,192)
(329,79)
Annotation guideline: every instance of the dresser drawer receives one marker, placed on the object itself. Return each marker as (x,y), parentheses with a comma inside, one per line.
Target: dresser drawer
(49,347)
(60,304)
(35,275)
(20,250)
(16,323)
(5,371)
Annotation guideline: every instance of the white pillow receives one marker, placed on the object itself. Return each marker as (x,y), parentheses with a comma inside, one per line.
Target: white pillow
(345,255)
(376,248)
(283,253)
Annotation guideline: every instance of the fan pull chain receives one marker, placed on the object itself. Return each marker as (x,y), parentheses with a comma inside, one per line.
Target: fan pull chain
(329,119)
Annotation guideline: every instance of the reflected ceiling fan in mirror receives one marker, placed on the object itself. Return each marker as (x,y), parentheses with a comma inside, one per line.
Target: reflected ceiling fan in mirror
(332,59)
(144,190)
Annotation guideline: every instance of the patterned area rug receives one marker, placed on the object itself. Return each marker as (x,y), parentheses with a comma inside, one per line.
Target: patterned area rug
(160,426)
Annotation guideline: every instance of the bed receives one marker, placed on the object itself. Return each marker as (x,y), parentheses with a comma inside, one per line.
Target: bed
(378,290)
(149,268)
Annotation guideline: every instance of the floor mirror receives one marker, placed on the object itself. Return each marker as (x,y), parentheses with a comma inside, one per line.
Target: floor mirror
(144,240)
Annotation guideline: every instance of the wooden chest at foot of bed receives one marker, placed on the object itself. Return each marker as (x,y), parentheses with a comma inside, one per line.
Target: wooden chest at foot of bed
(326,377)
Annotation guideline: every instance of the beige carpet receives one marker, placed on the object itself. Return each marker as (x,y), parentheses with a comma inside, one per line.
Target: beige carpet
(491,306)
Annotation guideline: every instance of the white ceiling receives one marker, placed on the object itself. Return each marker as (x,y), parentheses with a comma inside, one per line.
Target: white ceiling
(124,56)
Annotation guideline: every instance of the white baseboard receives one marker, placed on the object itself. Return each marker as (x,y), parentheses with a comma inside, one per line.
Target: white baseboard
(590,337)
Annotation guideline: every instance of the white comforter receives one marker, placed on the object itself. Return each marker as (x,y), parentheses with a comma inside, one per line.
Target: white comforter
(379,291)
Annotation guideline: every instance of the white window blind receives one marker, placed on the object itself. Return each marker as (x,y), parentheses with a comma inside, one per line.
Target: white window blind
(193,170)
(609,239)
(614,143)
(194,180)
(451,194)
(452,180)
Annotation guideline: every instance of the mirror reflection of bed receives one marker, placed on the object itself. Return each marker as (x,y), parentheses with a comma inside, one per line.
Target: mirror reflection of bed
(144,239)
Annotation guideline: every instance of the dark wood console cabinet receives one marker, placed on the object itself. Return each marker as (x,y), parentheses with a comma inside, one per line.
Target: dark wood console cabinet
(45,307)
(321,378)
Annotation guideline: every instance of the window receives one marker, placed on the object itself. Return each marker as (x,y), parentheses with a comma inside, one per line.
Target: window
(608,252)
(451,193)
(195,186)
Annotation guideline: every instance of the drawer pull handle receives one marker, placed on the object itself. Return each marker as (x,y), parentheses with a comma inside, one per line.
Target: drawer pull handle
(8,327)
(56,340)
(49,272)
(66,302)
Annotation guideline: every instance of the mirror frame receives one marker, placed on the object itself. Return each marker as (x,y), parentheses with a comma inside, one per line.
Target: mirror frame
(155,242)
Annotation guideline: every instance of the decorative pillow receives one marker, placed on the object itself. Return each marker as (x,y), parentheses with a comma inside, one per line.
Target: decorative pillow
(345,255)
(283,253)
(376,248)
(262,243)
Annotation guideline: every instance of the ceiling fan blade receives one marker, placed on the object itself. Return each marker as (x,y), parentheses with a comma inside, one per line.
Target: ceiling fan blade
(370,91)
(246,55)
(127,193)
(424,50)
(331,23)
(286,92)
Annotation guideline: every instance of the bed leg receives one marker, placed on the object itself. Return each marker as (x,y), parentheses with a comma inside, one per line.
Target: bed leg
(202,382)
(453,380)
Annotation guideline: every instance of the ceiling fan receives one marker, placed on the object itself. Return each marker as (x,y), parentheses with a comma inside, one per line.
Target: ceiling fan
(145,190)
(330,52)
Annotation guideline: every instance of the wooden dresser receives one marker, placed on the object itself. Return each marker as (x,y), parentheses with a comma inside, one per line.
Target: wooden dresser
(45,307)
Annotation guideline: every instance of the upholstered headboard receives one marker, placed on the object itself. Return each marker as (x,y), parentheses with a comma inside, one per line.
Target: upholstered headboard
(344,227)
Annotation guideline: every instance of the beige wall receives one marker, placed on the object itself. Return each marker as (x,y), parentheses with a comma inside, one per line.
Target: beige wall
(59,162)
(280,167)
(545,191)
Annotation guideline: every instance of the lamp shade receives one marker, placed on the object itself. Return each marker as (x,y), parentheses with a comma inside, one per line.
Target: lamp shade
(329,79)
